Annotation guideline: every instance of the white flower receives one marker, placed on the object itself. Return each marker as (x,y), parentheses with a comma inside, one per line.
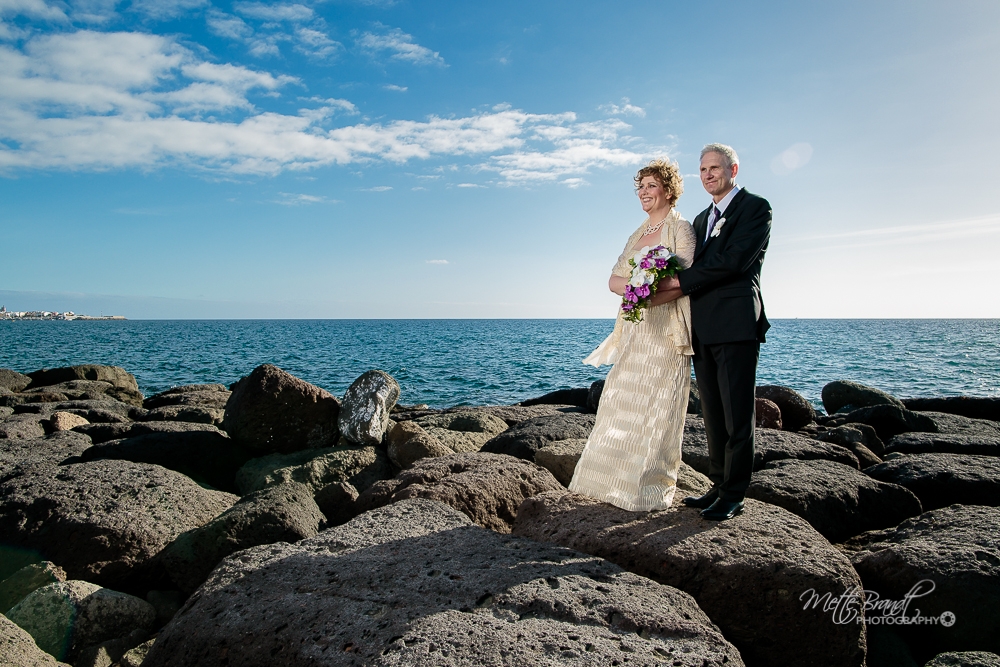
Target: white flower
(718,227)
(641,277)
(640,254)
(664,253)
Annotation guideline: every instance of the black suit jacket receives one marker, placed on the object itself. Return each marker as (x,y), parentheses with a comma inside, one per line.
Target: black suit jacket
(724,279)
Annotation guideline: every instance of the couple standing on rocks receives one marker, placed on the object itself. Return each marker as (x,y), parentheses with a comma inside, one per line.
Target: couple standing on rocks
(711,311)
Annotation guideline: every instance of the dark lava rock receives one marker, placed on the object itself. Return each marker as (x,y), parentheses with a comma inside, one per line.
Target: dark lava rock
(18,648)
(103,521)
(836,500)
(21,427)
(959,425)
(488,488)
(123,385)
(891,420)
(694,400)
(944,443)
(213,396)
(515,414)
(987,407)
(769,445)
(49,450)
(958,549)
(414,584)
(853,439)
(965,659)
(273,411)
(747,573)
(198,414)
(767,414)
(316,468)
(796,411)
(577,397)
(841,393)
(282,513)
(940,480)
(29,578)
(365,408)
(205,456)
(103,410)
(527,437)
(594,395)
(100,433)
(13,381)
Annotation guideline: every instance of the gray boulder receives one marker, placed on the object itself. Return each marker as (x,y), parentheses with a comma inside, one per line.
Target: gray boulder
(465,431)
(63,421)
(956,548)
(853,439)
(271,411)
(944,443)
(770,445)
(85,390)
(365,408)
(5,411)
(31,577)
(100,433)
(18,648)
(108,653)
(67,616)
(977,407)
(841,393)
(747,573)
(316,468)
(959,425)
(560,458)
(836,500)
(527,437)
(767,414)
(577,397)
(891,420)
(594,395)
(114,375)
(22,427)
(940,480)
(796,411)
(49,450)
(13,381)
(209,457)
(119,515)
(282,513)
(197,414)
(414,584)
(488,488)
(103,410)
(136,656)
(965,659)
(214,396)
(408,442)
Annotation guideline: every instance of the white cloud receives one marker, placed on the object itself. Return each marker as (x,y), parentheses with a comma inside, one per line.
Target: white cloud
(400,47)
(393,87)
(292,13)
(790,159)
(437,261)
(378,188)
(468,185)
(93,101)
(227,25)
(167,9)
(316,43)
(34,8)
(293,199)
(573,183)
(625,109)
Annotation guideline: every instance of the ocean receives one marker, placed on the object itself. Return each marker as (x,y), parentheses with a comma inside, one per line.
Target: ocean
(446,363)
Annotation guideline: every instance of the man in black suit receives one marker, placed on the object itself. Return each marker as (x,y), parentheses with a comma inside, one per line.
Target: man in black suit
(728,325)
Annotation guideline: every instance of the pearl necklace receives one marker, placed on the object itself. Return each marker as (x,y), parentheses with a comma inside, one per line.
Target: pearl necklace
(652,228)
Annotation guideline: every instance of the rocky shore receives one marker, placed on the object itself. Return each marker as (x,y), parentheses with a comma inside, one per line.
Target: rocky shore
(272,523)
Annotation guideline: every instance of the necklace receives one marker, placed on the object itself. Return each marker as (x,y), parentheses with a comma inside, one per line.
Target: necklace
(652,228)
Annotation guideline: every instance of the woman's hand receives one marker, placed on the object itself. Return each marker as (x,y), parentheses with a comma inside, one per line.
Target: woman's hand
(667,290)
(617,284)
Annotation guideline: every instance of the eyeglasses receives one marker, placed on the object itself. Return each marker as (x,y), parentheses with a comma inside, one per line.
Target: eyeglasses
(647,187)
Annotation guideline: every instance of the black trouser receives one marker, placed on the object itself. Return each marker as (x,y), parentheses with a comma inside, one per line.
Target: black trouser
(727,376)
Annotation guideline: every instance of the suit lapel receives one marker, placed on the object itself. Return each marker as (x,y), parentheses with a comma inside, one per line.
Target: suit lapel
(728,214)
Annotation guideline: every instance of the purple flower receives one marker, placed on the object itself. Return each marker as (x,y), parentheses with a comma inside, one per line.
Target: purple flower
(632,297)
(643,291)
(627,307)
(661,263)
(644,263)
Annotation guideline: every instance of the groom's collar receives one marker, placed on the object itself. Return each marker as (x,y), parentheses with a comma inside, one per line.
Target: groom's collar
(727,200)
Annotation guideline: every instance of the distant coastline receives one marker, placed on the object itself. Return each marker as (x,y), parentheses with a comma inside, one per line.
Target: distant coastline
(51,315)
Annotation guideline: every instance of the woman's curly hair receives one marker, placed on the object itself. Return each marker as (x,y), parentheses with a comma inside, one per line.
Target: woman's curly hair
(668,174)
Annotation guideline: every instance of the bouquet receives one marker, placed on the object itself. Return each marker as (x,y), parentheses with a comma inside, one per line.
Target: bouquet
(648,267)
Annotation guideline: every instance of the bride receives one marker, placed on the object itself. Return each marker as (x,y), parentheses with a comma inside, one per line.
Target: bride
(633,454)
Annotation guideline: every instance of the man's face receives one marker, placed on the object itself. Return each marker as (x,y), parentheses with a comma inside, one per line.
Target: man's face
(717,178)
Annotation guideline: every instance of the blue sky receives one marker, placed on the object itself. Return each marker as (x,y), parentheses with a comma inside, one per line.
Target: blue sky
(207,158)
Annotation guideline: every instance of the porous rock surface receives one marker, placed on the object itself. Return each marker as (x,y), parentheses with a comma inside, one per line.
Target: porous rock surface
(977,407)
(408,442)
(769,445)
(836,500)
(944,443)
(365,408)
(13,381)
(965,659)
(271,411)
(100,433)
(415,584)
(841,393)
(488,488)
(52,449)
(31,577)
(795,410)
(560,458)
(940,480)
(103,521)
(282,513)
(67,616)
(528,436)
(18,648)
(767,414)
(891,420)
(747,573)
(465,431)
(958,549)
(316,468)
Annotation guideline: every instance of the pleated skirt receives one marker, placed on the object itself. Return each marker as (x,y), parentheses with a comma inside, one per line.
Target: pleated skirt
(634,452)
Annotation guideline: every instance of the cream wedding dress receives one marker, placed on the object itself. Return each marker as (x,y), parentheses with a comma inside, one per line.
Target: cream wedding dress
(634,452)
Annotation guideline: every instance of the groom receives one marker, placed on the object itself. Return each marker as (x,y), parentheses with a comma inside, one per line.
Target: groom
(728,325)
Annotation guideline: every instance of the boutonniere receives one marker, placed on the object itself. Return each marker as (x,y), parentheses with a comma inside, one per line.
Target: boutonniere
(718,228)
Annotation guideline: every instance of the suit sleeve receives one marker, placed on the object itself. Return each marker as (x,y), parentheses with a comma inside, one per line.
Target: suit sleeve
(743,248)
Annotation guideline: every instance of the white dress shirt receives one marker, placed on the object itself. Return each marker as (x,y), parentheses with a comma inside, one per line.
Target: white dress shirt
(722,206)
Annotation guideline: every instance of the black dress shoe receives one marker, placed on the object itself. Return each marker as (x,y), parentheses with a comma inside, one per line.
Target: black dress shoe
(702,502)
(721,510)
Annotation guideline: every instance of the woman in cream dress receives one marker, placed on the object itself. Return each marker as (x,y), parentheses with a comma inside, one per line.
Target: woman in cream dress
(633,454)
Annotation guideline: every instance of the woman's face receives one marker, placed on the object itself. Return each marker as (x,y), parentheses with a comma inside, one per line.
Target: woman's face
(652,194)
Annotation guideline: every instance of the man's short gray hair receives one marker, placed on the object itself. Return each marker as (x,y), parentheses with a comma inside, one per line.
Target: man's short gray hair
(723,150)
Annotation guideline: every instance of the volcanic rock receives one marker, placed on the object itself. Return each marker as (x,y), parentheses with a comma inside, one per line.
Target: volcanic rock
(965,659)
(986,407)
(891,420)
(414,584)
(767,414)
(560,458)
(48,450)
(747,573)
(940,480)
(527,437)
(408,442)
(465,431)
(841,393)
(485,487)
(21,427)
(17,586)
(186,413)
(594,395)
(853,439)
(944,443)
(796,411)
(13,381)
(64,421)
(18,648)
(577,397)
(206,398)
(959,425)
(100,433)
(316,468)
(103,521)
(364,410)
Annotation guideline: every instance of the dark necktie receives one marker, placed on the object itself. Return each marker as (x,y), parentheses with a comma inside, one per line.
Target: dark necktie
(718,214)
